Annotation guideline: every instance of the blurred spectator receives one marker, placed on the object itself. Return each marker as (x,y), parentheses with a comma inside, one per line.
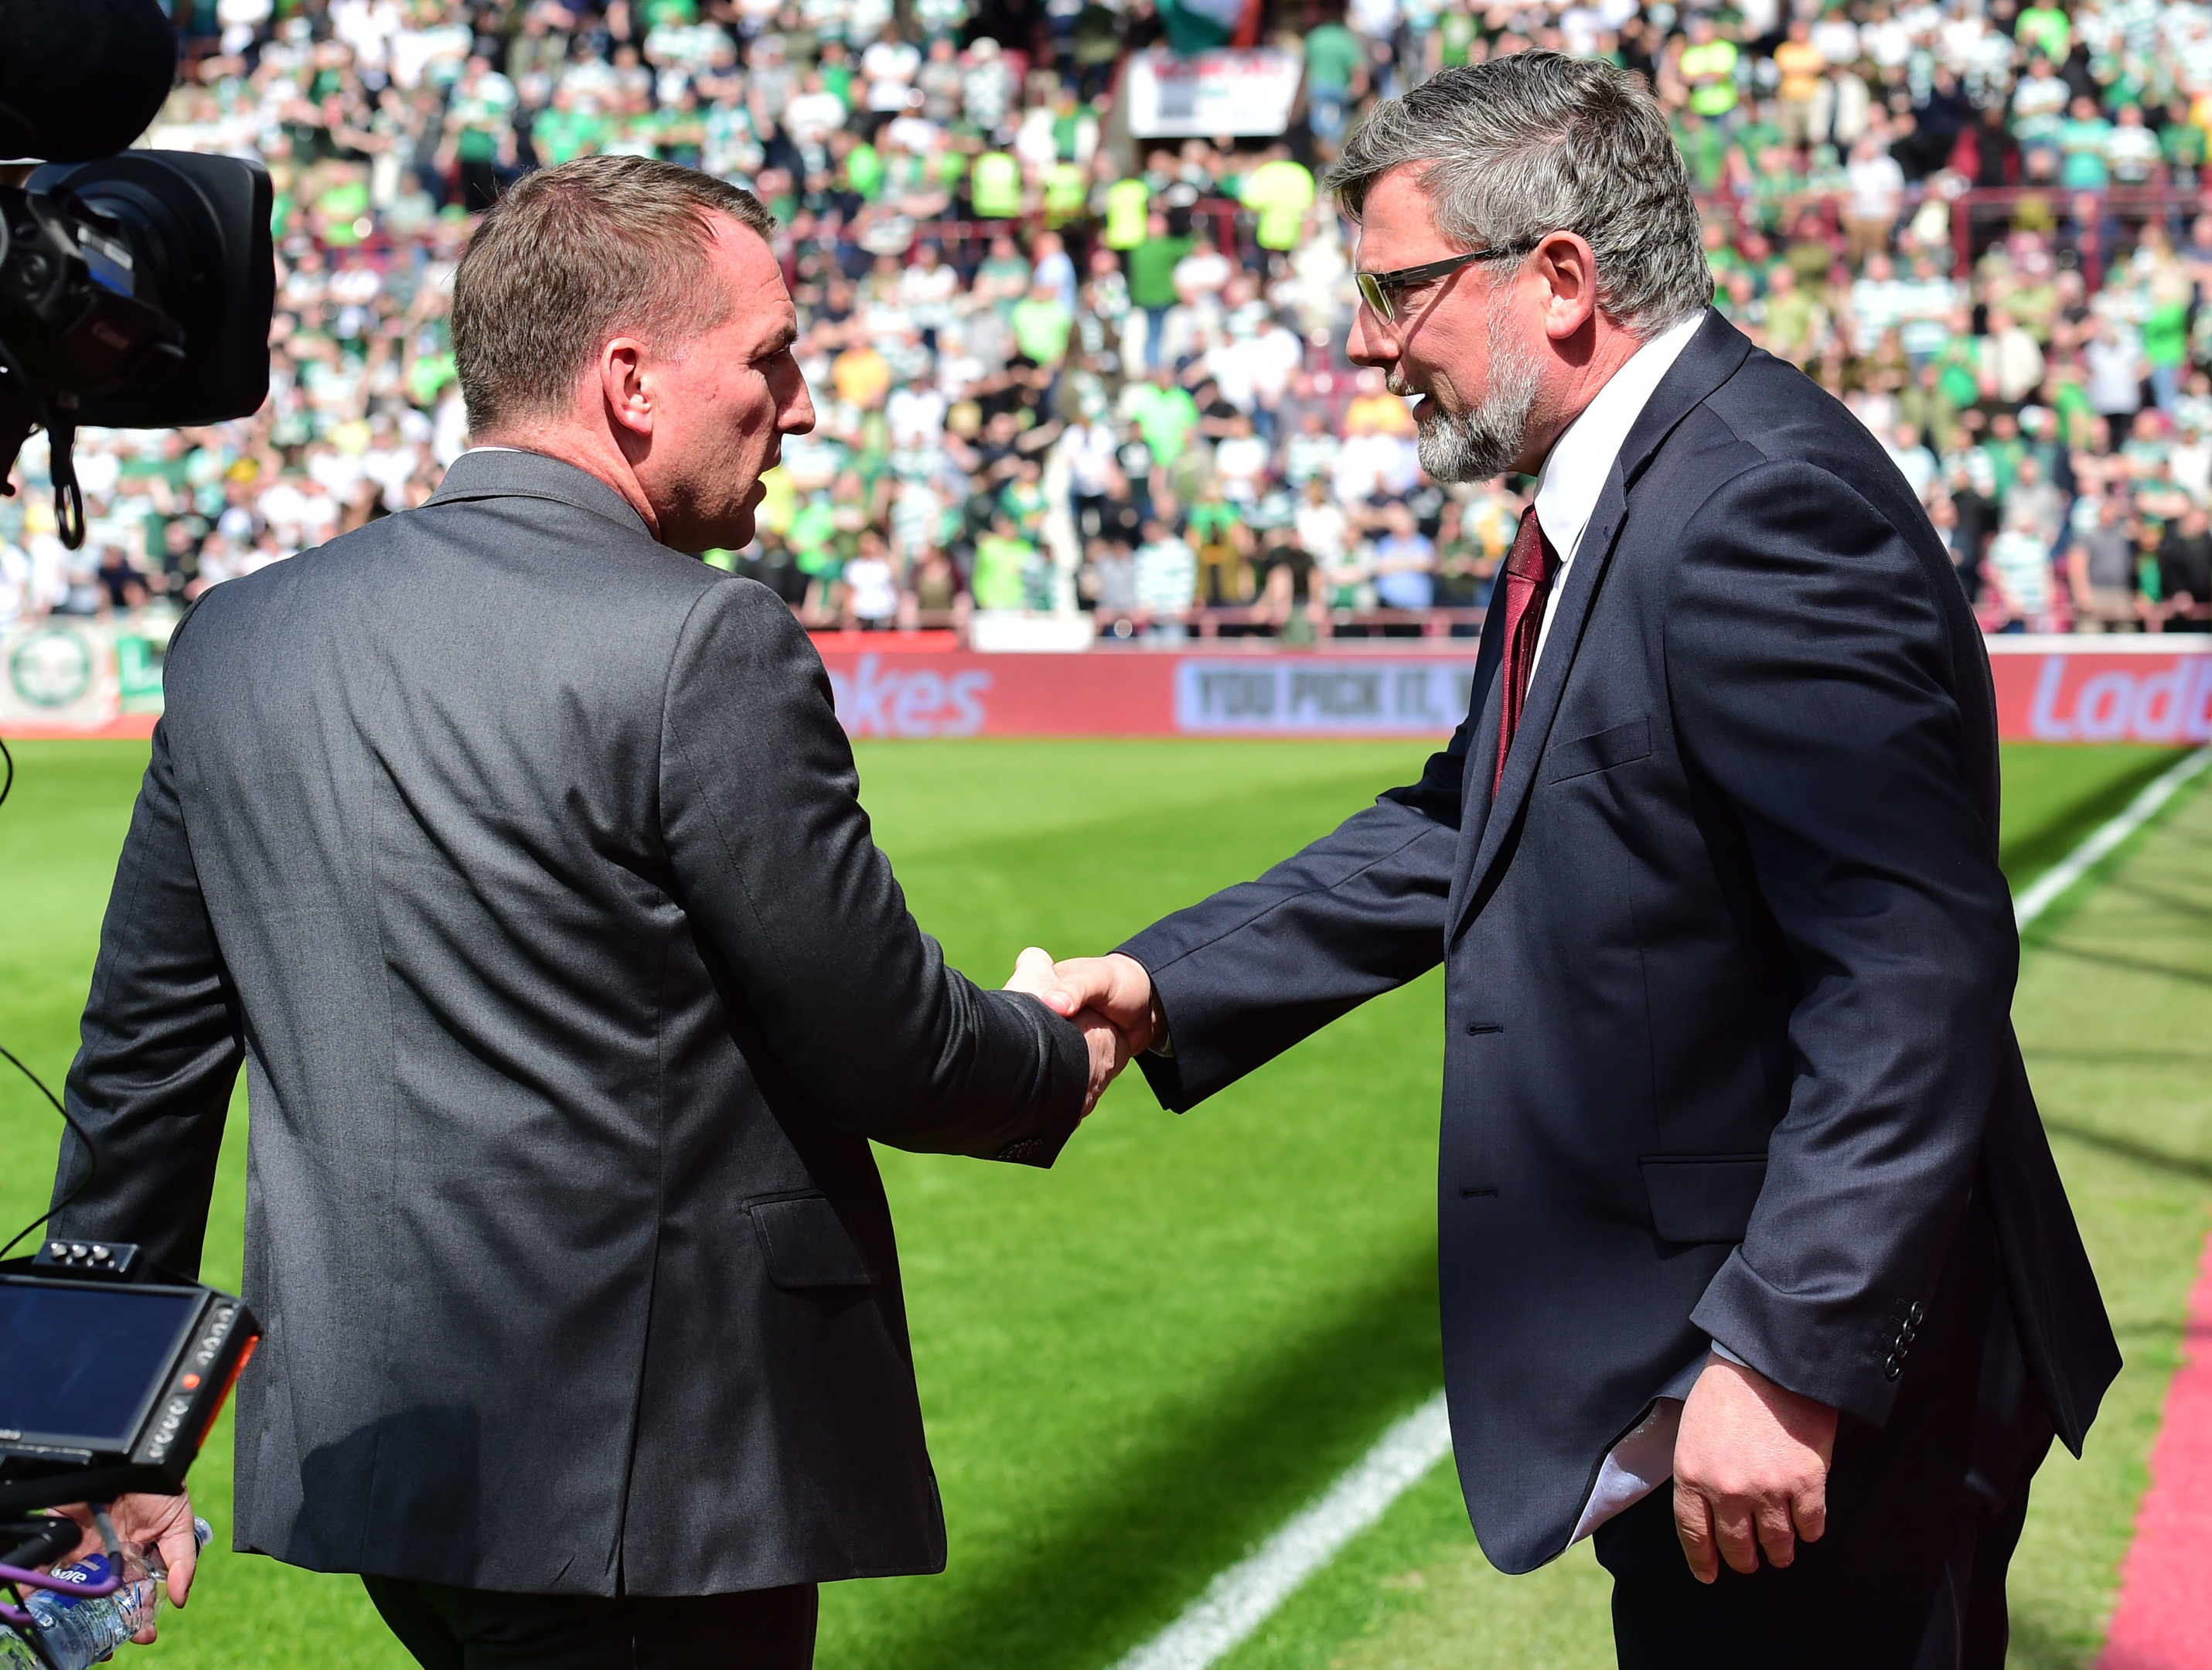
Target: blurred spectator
(1165,579)
(1877,193)
(2016,573)
(1402,562)
(2101,569)
(2184,561)
(2113,358)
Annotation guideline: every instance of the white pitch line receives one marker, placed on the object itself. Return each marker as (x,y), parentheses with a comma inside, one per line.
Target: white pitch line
(2078,863)
(1243,1597)
(1240,1599)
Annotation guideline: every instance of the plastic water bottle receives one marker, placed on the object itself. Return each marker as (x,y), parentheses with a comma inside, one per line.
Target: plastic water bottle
(75,1633)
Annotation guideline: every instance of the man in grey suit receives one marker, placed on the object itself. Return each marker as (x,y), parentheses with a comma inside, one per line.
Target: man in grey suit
(518,857)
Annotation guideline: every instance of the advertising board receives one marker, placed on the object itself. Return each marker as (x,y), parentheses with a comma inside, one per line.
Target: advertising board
(87,678)
(69,677)
(1246,92)
(2125,689)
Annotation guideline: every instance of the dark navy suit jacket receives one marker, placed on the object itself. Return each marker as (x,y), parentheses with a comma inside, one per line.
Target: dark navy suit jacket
(1729,963)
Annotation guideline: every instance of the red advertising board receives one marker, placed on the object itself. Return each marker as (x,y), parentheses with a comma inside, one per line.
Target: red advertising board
(2148,689)
(2125,689)
(1137,693)
(2048,690)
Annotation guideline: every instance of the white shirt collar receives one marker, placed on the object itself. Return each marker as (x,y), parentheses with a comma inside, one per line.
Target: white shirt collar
(1575,470)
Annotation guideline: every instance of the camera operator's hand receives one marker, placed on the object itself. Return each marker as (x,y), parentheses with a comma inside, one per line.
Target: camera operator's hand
(166,1521)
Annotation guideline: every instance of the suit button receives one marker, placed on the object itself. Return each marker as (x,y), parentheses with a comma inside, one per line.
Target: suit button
(1916,1313)
(1892,1368)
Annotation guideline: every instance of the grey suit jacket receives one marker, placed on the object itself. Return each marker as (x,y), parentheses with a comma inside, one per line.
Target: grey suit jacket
(519,858)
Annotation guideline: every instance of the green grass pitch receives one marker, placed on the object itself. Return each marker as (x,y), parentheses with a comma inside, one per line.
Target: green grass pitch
(1137,1364)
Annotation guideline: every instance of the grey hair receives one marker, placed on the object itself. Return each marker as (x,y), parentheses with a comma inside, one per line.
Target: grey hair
(1510,151)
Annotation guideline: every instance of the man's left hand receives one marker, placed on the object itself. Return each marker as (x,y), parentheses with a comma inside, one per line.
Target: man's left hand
(166,1521)
(1751,1470)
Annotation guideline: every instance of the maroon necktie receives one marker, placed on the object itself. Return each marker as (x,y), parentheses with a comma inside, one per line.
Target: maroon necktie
(1529,573)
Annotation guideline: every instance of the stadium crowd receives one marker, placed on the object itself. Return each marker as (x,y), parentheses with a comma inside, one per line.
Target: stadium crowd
(1058,368)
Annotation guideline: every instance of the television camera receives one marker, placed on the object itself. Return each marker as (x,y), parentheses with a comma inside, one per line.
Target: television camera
(136,286)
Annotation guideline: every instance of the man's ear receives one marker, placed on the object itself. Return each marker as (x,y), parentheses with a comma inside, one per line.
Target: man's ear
(623,386)
(1568,269)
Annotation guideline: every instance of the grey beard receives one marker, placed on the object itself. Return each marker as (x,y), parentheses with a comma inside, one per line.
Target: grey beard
(1474,445)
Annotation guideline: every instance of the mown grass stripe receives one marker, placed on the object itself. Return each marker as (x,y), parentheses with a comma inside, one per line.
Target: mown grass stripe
(2054,882)
(1240,1599)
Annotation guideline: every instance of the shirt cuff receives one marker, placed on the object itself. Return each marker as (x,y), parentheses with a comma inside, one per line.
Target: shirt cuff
(1163,1043)
(1727,1356)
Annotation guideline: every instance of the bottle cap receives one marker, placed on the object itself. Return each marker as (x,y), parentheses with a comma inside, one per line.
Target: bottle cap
(202,1532)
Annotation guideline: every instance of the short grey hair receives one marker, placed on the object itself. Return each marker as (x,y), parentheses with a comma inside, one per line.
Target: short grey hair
(1510,151)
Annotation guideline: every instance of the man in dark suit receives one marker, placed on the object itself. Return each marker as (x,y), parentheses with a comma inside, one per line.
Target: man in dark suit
(1742,1181)
(518,857)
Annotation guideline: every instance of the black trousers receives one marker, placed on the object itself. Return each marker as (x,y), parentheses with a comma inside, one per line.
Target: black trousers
(1924,1515)
(474,1629)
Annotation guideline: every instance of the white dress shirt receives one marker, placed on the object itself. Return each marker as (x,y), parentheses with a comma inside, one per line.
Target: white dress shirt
(1567,490)
(1574,470)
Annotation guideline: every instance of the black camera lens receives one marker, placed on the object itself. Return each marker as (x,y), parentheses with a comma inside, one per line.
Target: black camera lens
(188,236)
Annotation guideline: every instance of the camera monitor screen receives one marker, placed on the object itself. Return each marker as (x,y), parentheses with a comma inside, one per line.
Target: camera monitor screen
(78,1364)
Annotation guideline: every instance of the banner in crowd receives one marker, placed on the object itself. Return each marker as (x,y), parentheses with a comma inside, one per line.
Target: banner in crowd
(63,677)
(1247,93)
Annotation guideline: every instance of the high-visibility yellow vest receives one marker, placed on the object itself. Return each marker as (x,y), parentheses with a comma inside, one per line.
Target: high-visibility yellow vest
(1710,71)
(1128,206)
(1279,192)
(995,185)
(1065,190)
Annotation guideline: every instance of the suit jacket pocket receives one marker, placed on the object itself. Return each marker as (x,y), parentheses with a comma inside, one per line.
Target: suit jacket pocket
(1703,1198)
(1602,750)
(807,1245)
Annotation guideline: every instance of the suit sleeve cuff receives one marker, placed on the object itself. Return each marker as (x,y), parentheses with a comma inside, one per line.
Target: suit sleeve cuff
(1829,1349)
(1069,1081)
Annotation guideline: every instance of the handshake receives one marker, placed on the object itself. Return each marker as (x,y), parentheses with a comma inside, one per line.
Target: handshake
(1110,998)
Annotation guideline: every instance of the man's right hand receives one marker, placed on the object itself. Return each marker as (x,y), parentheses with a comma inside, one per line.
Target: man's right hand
(1114,986)
(1751,1470)
(166,1521)
(1110,1050)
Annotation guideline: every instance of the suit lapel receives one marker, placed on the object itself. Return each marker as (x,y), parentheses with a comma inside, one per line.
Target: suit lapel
(1709,360)
(1545,687)
(1480,768)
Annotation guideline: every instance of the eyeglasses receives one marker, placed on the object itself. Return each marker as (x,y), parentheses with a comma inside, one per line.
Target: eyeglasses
(1376,288)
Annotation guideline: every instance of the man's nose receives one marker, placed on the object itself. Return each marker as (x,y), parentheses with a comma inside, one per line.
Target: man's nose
(1370,342)
(797,418)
